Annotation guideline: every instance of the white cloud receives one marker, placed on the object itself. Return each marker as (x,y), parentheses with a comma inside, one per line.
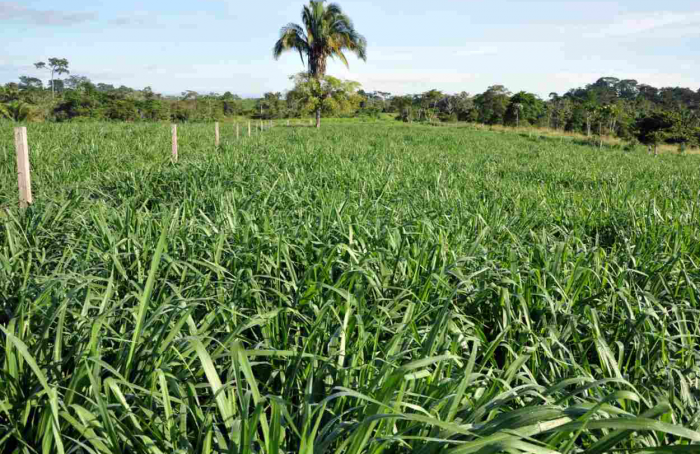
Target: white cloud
(15,11)
(664,24)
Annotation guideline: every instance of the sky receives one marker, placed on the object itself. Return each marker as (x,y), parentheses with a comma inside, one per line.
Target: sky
(413,46)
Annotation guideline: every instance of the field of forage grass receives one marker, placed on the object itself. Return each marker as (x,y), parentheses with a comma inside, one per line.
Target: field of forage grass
(358,289)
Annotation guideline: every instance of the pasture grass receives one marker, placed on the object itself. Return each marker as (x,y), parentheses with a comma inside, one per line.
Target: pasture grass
(359,289)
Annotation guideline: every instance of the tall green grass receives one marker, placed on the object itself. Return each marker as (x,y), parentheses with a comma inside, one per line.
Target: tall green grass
(358,289)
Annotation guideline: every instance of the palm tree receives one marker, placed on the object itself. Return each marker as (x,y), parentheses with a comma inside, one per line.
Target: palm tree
(518,108)
(17,111)
(606,118)
(326,32)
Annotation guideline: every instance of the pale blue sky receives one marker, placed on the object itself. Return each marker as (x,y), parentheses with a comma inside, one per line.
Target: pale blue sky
(451,45)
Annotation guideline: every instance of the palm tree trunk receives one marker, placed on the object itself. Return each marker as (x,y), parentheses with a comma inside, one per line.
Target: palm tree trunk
(318,117)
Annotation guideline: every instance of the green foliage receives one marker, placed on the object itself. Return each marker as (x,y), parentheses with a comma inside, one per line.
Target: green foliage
(654,128)
(30,83)
(493,105)
(685,126)
(460,105)
(56,66)
(18,111)
(374,104)
(154,110)
(525,108)
(271,106)
(77,104)
(329,95)
(361,289)
(560,113)
(123,110)
(404,106)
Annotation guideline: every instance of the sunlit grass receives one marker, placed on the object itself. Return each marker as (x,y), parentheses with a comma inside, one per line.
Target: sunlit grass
(376,288)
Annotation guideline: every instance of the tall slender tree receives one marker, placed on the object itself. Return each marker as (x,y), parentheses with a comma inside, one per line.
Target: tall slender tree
(56,66)
(326,31)
(518,108)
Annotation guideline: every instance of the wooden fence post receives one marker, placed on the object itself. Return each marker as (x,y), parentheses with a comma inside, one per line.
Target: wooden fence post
(248,128)
(237,132)
(217,137)
(174,129)
(261,126)
(23,171)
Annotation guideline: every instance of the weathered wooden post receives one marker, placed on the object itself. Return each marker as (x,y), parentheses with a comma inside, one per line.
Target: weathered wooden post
(217,137)
(23,172)
(237,132)
(174,130)
(248,128)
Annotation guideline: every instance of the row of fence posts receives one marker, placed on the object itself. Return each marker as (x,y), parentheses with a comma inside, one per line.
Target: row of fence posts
(217,134)
(22,149)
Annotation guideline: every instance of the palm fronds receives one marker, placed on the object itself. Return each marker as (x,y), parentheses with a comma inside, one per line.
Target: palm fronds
(326,32)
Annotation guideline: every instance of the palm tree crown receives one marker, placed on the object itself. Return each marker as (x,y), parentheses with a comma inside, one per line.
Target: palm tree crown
(326,32)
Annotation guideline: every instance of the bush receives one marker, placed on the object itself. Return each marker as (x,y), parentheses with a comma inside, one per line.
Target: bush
(449,118)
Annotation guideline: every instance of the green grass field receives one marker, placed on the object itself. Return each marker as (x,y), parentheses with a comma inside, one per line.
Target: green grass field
(359,289)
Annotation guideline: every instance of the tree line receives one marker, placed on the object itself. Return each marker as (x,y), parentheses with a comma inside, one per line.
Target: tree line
(609,106)
(622,108)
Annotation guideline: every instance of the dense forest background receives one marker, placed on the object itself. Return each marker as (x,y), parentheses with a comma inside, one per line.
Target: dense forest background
(618,107)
